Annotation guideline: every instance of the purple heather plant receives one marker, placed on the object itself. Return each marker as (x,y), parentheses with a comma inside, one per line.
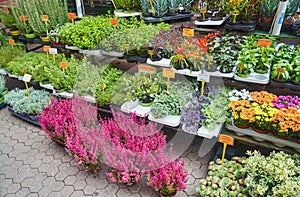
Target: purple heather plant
(286,102)
(168,179)
(192,116)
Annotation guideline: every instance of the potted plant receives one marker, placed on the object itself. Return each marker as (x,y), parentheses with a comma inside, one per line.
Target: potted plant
(173,6)
(160,7)
(168,179)
(268,10)
(8,53)
(129,6)
(224,178)
(242,113)
(281,71)
(28,106)
(3,90)
(185,6)
(9,21)
(146,7)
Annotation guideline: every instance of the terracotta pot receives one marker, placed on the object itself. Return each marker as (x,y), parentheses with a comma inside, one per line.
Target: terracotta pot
(242,126)
(259,131)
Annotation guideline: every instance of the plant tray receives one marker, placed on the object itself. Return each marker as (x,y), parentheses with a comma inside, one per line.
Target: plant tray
(2,105)
(3,71)
(240,27)
(63,94)
(91,52)
(220,74)
(131,106)
(135,58)
(47,86)
(90,99)
(210,22)
(113,54)
(263,137)
(169,120)
(163,62)
(255,78)
(150,19)
(25,118)
(188,72)
(204,132)
(72,48)
(284,85)
(123,14)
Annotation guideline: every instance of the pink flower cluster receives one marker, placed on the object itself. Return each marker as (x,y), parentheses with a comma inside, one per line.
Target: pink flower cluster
(287,101)
(168,179)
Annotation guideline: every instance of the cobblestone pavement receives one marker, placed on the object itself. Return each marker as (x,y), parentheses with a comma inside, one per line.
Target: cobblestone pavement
(33,165)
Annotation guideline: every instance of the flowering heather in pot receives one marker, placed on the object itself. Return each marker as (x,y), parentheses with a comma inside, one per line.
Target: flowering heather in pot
(168,179)
(57,119)
(287,101)
(131,154)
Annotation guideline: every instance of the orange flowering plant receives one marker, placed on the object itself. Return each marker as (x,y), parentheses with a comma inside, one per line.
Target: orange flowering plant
(286,122)
(263,115)
(262,97)
(242,112)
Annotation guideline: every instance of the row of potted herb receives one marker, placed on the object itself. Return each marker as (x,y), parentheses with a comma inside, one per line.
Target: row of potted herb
(74,124)
(266,112)
(257,175)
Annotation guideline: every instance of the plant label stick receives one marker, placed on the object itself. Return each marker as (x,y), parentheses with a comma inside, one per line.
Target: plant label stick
(53,51)
(235,14)
(226,140)
(45,18)
(126,46)
(24,19)
(11,42)
(169,74)
(46,50)
(72,17)
(63,65)
(152,7)
(203,78)
(114,22)
(241,67)
(102,86)
(188,32)
(280,71)
(150,52)
(26,78)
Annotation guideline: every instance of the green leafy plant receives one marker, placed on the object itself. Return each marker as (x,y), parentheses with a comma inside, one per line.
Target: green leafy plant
(274,175)
(146,7)
(281,70)
(8,20)
(224,179)
(8,53)
(3,40)
(268,8)
(186,4)
(127,4)
(20,102)
(292,8)
(173,6)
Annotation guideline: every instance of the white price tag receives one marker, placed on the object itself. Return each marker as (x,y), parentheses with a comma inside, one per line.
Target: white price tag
(26,78)
(203,77)
(53,51)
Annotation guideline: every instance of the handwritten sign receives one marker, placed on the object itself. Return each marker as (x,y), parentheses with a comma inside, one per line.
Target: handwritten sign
(203,10)
(114,21)
(264,42)
(188,32)
(226,139)
(53,51)
(63,65)
(146,69)
(203,77)
(45,18)
(235,13)
(23,18)
(11,41)
(71,15)
(46,49)
(169,73)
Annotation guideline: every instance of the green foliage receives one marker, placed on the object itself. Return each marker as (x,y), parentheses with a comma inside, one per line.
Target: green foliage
(2,84)
(3,40)
(33,105)
(268,8)
(173,6)
(275,175)
(186,4)
(145,5)
(127,4)
(224,179)
(292,7)
(160,7)
(8,19)
(8,53)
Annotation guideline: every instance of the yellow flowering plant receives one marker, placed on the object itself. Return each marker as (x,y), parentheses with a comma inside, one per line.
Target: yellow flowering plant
(263,115)
(286,122)
(262,97)
(242,112)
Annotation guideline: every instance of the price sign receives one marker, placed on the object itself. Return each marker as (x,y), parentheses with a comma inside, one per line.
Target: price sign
(203,10)
(63,65)
(114,21)
(71,15)
(188,32)
(26,78)
(203,77)
(169,73)
(226,139)
(46,49)
(11,41)
(23,18)
(264,42)
(45,18)
(53,51)
(146,69)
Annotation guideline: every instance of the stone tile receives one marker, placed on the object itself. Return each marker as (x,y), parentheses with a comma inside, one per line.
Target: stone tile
(109,191)
(191,180)
(89,190)
(33,185)
(197,173)
(32,195)
(57,186)
(22,192)
(55,194)
(79,184)
(124,192)
(70,180)
(77,194)
(45,191)
(13,188)
(146,191)
(67,190)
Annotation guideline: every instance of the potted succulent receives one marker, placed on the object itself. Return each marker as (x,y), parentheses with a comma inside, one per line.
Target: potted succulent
(268,10)
(185,6)
(168,179)
(28,106)
(224,178)
(173,6)
(146,7)
(160,7)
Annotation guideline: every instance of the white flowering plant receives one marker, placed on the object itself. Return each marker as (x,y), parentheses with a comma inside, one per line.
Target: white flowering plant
(236,95)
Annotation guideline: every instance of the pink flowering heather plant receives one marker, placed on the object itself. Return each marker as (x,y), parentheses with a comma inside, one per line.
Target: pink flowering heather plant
(168,179)
(286,102)
(130,155)
(57,120)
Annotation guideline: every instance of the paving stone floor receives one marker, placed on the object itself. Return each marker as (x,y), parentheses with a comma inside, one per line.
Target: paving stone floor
(33,165)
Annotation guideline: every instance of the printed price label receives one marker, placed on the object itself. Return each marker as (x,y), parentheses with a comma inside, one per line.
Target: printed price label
(146,69)
(63,65)
(53,51)
(23,18)
(264,42)
(114,21)
(226,139)
(203,10)
(169,73)
(45,18)
(46,48)
(11,41)
(188,32)
(203,77)
(71,15)
(26,78)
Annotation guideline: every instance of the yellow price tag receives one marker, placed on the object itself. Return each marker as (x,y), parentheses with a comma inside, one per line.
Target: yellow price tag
(169,73)
(203,10)
(264,42)
(226,140)
(188,32)
(146,69)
